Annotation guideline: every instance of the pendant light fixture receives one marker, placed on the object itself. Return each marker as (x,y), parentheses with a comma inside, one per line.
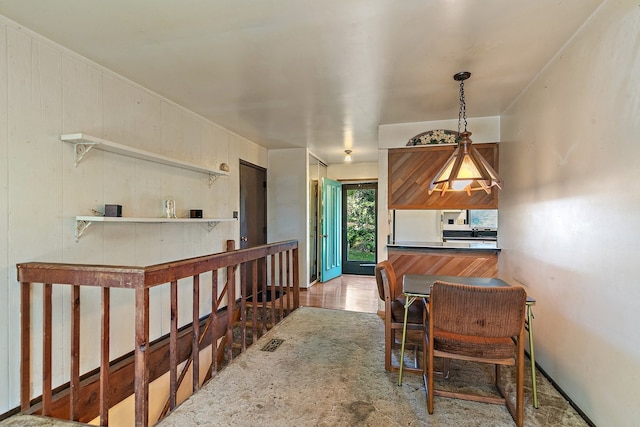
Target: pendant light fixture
(466,169)
(347,156)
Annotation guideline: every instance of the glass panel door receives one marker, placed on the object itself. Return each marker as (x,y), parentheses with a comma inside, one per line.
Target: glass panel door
(359,228)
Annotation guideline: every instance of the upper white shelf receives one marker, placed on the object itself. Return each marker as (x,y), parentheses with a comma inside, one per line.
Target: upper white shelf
(83,143)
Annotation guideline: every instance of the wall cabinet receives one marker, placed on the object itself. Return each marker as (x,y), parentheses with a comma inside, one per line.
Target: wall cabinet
(411,170)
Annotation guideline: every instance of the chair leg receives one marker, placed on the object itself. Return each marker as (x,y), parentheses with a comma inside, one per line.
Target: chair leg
(446,367)
(425,358)
(429,387)
(517,411)
(389,339)
(520,383)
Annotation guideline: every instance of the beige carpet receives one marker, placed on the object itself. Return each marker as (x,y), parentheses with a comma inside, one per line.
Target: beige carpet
(329,371)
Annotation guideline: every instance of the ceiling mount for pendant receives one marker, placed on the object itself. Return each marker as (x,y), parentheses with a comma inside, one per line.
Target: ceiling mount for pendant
(461,76)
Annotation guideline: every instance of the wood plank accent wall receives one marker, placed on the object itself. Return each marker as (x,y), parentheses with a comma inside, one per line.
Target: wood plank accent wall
(443,262)
(412,168)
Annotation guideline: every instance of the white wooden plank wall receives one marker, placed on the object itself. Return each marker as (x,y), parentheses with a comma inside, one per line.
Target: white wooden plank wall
(46,91)
(5,316)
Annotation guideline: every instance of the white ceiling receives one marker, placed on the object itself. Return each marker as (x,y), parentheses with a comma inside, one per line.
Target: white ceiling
(321,74)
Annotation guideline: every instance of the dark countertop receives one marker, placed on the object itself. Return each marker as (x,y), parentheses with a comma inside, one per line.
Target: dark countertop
(480,245)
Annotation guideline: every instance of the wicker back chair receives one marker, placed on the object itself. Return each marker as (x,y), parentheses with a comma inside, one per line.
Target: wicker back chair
(482,324)
(391,293)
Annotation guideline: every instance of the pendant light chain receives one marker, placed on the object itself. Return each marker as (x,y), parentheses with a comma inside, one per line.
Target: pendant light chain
(462,114)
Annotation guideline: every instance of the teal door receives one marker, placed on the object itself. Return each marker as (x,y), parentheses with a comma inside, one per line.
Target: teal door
(331,222)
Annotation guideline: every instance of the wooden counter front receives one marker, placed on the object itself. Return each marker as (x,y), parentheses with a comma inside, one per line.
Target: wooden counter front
(444,261)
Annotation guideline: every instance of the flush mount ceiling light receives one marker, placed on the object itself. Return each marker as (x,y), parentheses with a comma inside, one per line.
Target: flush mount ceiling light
(466,169)
(347,156)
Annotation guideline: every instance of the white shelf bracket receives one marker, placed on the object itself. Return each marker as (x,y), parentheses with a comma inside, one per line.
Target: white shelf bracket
(212,179)
(81,150)
(81,226)
(211,225)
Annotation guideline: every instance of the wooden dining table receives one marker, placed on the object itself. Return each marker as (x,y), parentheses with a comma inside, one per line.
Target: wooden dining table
(418,286)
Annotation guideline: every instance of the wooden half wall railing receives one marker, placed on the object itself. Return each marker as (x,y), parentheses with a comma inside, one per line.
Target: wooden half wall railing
(269,271)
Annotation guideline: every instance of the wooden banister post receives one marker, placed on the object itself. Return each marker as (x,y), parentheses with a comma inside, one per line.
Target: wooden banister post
(273,289)
(47,312)
(105,342)
(231,300)
(265,292)
(289,281)
(214,322)
(296,280)
(195,336)
(281,268)
(173,347)
(243,306)
(74,382)
(254,299)
(142,345)
(25,344)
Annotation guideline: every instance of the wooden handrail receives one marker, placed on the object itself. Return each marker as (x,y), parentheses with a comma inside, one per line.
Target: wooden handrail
(70,401)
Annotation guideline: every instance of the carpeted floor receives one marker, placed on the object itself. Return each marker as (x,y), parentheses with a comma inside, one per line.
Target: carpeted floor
(329,371)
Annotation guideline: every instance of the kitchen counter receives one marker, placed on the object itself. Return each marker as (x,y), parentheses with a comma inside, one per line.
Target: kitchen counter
(466,245)
(478,259)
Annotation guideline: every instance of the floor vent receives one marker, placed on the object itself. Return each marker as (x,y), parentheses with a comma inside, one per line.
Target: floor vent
(272,345)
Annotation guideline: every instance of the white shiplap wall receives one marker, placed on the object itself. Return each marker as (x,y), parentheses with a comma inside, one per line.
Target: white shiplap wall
(45,91)
(287,207)
(6,320)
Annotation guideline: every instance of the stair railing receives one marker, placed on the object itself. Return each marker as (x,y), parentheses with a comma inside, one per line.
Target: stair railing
(268,278)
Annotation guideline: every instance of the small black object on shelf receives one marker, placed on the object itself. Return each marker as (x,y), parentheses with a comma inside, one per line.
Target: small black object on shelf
(195,213)
(113,210)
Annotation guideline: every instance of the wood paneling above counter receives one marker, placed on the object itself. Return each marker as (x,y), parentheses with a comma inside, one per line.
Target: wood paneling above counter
(411,170)
(445,262)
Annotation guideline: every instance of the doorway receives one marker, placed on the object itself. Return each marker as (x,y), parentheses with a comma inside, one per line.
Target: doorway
(359,228)
(317,171)
(314,247)
(253,213)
